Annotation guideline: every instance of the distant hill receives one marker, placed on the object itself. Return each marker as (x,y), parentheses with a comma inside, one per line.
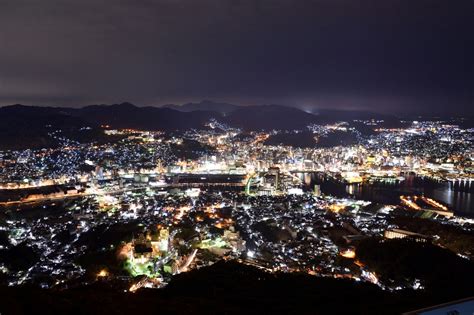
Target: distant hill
(28,126)
(267,117)
(223,108)
(127,115)
(349,114)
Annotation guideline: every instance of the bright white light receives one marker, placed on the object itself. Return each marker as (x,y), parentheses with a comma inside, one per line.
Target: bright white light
(250,254)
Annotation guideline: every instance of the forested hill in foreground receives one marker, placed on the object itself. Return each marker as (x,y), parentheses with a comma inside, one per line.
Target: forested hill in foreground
(223,288)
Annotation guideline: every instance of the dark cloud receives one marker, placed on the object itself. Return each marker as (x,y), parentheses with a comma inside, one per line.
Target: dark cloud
(392,54)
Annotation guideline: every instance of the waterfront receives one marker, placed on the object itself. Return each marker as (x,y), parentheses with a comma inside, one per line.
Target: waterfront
(462,203)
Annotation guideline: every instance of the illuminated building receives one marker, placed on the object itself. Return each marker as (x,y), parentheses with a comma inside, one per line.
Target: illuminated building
(272,178)
(317,190)
(398,233)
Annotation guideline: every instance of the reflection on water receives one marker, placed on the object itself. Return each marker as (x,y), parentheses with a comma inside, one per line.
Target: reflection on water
(461,203)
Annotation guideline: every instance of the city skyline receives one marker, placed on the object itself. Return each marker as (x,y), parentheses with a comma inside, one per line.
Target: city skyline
(237,157)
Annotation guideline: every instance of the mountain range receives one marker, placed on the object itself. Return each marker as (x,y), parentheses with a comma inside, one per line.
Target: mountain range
(175,117)
(205,105)
(28,126)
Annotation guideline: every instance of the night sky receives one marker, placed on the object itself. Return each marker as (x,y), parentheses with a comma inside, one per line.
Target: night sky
(382,55)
